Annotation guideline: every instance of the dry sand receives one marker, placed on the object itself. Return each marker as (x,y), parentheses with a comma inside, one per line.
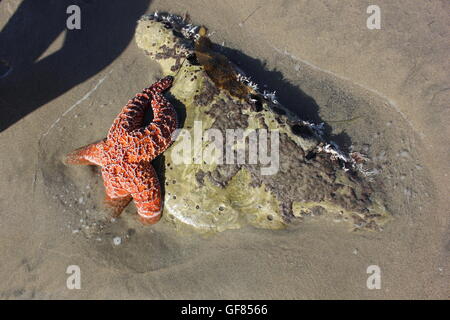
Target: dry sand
(396,79)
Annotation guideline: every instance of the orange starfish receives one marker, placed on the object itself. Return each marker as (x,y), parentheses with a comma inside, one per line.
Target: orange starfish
(126,153)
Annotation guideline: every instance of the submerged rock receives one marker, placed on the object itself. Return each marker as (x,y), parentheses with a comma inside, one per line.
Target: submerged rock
(240,156)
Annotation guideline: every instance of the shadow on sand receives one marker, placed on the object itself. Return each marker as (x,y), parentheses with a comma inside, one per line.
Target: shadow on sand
(107,27)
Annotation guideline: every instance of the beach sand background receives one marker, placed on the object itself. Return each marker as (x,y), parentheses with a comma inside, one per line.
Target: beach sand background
(395,80)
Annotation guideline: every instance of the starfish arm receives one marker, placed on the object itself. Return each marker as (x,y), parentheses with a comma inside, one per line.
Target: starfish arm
(92,154)
(117,198)
(117,205)
(132,115)
(154,139)
(137,180)
(146,193)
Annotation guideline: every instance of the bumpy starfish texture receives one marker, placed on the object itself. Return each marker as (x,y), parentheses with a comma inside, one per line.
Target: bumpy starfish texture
(126,154)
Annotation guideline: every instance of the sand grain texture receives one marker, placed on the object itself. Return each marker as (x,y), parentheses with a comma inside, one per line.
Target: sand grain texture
(325,65)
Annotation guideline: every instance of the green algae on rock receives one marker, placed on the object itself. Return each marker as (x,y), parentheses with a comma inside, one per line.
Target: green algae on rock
(313,178)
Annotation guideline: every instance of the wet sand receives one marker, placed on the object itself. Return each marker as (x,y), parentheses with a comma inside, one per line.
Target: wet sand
(394,80)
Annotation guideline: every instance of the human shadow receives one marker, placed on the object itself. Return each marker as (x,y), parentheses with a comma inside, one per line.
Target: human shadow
(289,95)
(107,27)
